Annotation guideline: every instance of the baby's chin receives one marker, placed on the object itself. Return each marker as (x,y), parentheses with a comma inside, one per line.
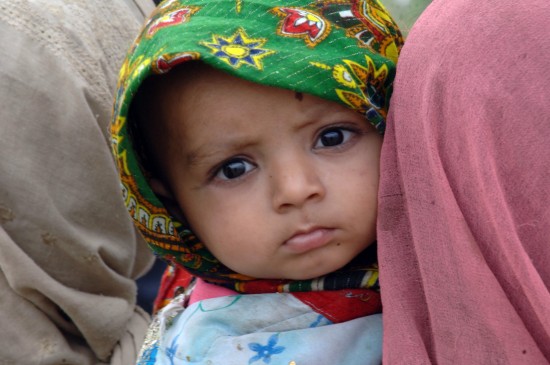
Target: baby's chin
(290,276)
(307,275)
(305,267)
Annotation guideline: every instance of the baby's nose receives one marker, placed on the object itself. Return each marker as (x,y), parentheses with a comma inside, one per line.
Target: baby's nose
(295,182)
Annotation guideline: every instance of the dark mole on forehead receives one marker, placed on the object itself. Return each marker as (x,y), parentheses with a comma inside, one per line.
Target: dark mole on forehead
(299,96)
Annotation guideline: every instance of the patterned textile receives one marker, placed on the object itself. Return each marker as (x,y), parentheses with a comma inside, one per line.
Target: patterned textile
(331,303)
(344,51)
(274,329)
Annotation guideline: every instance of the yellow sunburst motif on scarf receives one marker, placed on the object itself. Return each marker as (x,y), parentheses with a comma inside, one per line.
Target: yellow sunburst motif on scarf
(358,76)
(239,49)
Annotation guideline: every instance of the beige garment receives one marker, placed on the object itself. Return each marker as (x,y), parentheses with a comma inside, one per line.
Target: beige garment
(68,252)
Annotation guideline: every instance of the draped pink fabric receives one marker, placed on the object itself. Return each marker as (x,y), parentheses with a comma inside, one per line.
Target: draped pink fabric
(464,222)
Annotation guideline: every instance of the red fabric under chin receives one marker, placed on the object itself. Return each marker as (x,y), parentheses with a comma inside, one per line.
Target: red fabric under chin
(336,305)
(342,305)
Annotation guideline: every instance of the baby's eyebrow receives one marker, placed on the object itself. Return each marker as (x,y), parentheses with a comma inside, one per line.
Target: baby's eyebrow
(195,158)
(202,154)
(219,150)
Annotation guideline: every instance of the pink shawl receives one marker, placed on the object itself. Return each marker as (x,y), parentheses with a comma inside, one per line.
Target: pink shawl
(464,223)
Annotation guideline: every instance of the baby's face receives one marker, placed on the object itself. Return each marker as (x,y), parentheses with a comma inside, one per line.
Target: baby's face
(276,184)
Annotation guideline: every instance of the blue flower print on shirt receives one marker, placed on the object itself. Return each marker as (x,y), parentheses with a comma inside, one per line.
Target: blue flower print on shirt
(171,351)
(318,321)
(265,352)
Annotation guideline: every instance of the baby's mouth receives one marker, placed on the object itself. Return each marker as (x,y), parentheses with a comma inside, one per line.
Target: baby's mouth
(309,239)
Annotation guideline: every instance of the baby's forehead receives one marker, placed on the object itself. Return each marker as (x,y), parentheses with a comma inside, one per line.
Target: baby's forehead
(233,111)
(198,85)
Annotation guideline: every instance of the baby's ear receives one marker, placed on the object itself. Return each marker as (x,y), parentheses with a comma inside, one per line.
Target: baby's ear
(165,195)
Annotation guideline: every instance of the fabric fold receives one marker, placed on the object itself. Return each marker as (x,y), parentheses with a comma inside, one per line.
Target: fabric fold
(68,253)
(464,218)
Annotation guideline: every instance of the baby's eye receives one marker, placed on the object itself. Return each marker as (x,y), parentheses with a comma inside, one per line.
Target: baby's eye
(333,137)
(233,169)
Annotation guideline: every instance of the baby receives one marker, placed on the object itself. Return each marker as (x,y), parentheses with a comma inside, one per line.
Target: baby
(248,136)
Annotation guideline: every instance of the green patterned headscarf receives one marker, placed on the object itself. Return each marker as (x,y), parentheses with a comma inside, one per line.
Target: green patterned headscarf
(344,51)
